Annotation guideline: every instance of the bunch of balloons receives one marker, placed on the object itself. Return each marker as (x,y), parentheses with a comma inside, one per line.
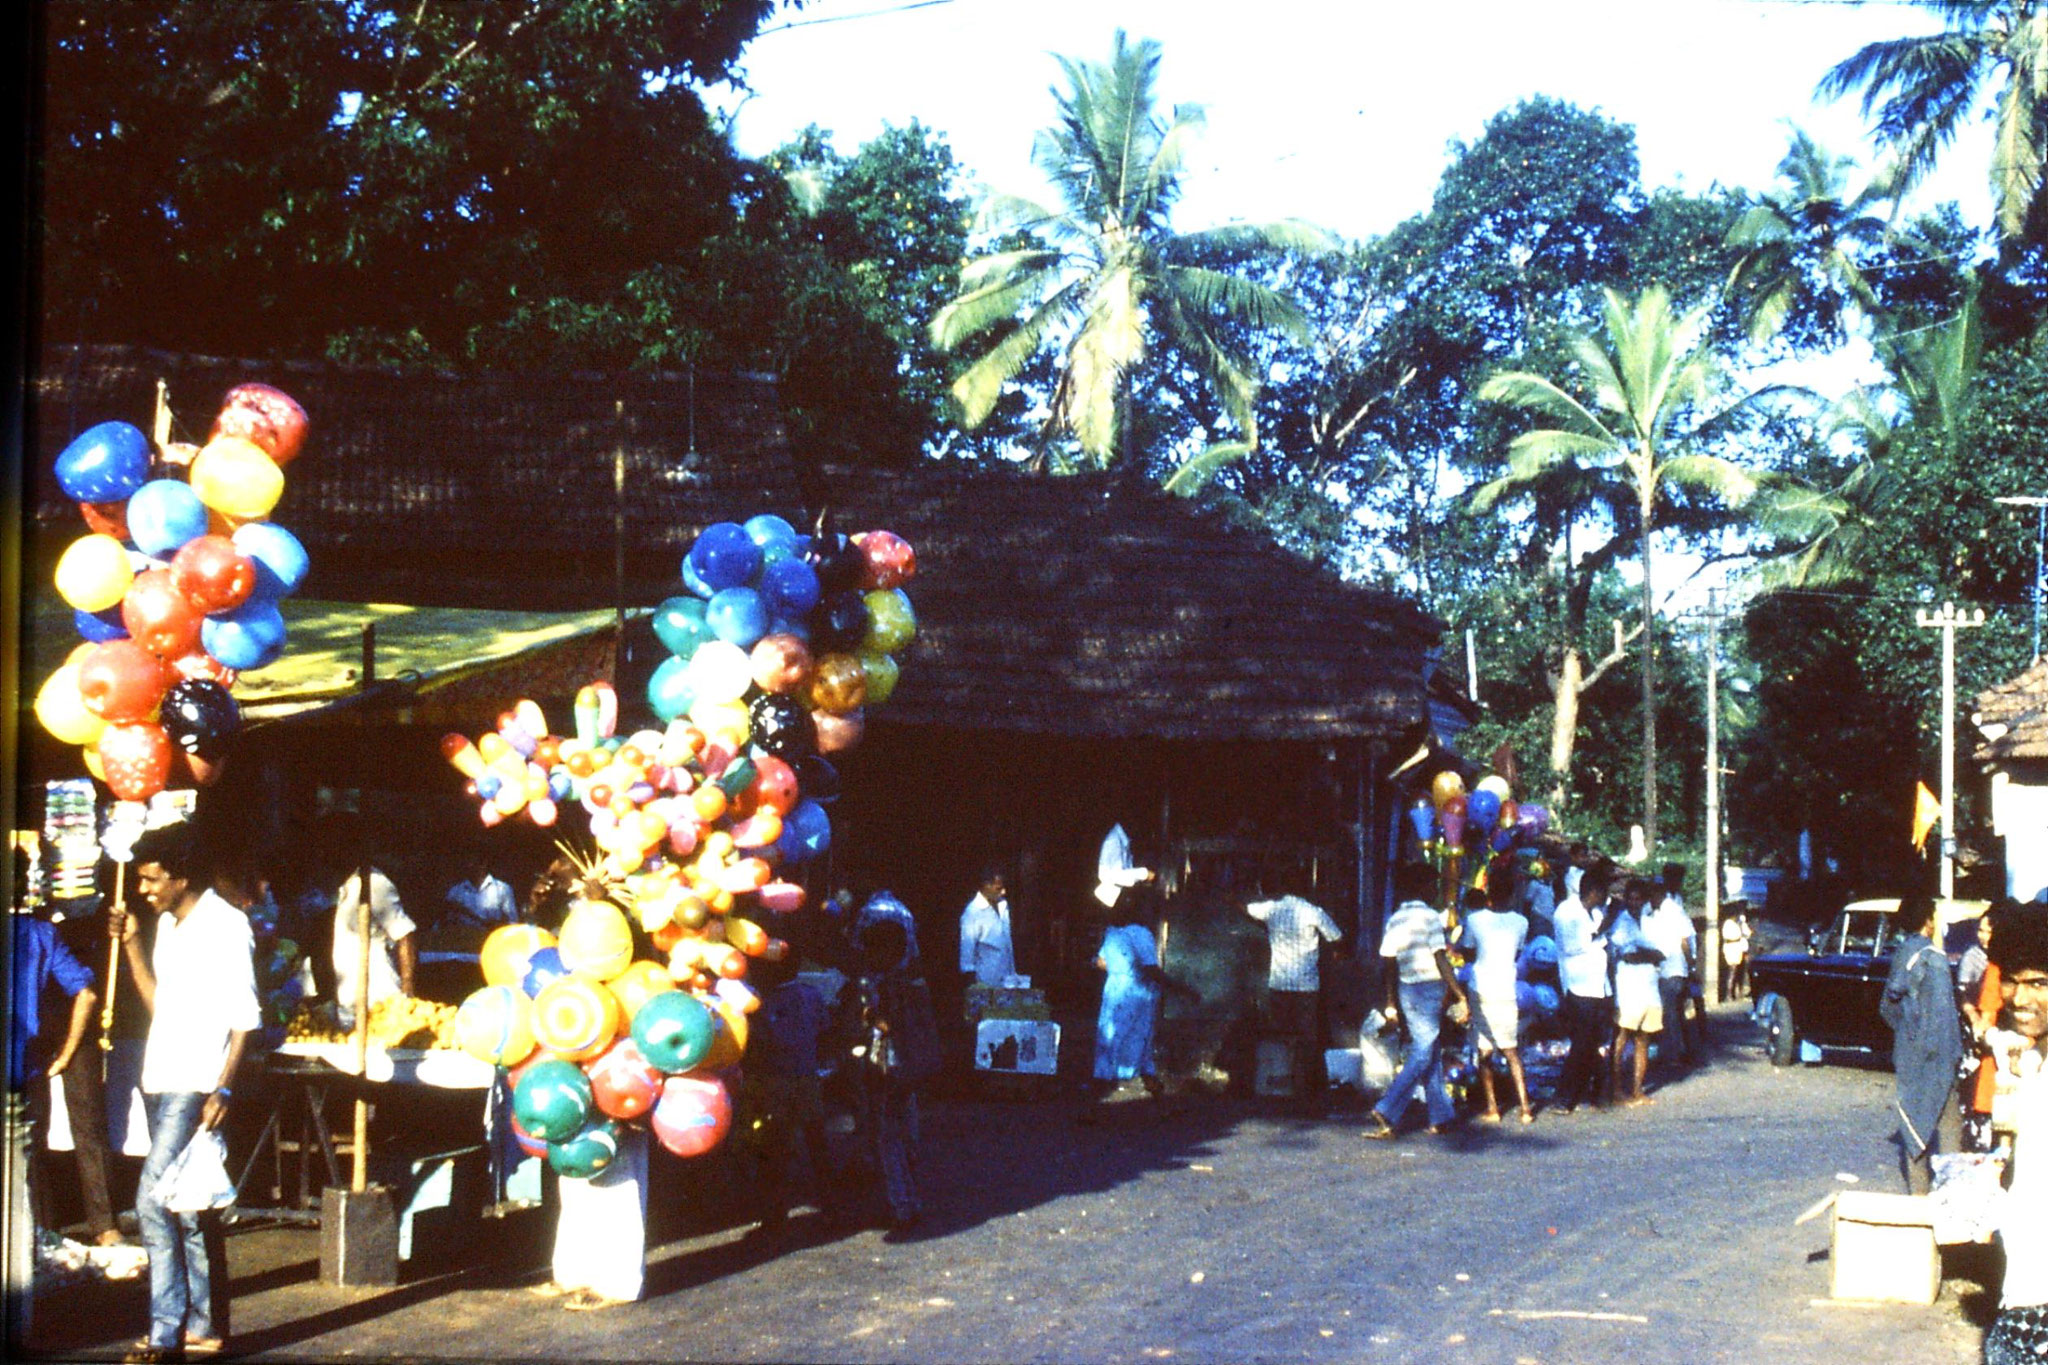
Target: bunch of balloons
(594,1038)
(175,590)
(1451,822)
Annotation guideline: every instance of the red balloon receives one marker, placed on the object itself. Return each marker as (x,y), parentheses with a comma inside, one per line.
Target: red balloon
(775,785)
(781,663)
(623,1083)
(108,518)
(268,417)
(200,664)
(121,682)
(889,560)
(136,759)
(527,1142)
(159,617)
(213,573)
(692,1115)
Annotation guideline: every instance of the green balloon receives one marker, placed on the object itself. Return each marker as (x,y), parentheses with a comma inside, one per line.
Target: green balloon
(592,1148)
(552,1099)
(674,1031)
(679,623)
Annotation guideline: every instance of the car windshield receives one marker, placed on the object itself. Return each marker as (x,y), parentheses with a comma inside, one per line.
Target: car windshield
(1864,933)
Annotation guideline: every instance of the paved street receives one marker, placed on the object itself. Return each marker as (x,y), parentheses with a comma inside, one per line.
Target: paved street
(1220,1232)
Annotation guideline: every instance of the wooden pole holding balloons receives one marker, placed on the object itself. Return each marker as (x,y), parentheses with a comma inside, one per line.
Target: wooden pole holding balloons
(113,959)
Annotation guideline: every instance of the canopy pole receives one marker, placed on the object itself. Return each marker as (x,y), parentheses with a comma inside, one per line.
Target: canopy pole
(359,1180)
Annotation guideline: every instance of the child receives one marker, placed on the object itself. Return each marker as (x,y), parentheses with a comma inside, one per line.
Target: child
(783,1097)
(895,1047)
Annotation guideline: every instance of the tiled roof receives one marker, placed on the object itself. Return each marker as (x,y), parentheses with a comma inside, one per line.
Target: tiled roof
(2013,717)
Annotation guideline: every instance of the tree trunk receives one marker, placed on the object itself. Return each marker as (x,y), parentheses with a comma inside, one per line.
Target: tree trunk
(1649,695)
(1564,724)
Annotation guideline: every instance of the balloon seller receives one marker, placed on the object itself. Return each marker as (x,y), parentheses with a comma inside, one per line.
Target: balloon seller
(631,1017)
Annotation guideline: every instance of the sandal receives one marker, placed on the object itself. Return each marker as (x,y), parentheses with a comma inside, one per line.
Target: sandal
(589,1301)
(143,1353)
(206,1347)
(1381,1130)
(547,1289)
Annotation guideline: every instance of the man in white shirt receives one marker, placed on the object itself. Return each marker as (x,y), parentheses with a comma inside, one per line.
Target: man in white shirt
(1115,868)
(199,985)
(1638,1007)
(1419,977)
(987,957)
(394,956)
(1581,925)
(2019,949)
(1296,930)
(1494,934)
(1670,931)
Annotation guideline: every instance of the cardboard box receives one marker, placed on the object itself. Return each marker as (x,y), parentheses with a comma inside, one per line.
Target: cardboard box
(1884,1248)
(1277,1069)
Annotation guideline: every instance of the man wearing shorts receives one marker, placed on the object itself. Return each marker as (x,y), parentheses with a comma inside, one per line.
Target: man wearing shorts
(1638,1008)
(1494,934)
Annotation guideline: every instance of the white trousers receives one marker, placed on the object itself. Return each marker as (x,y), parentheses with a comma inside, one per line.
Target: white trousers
(601,1238)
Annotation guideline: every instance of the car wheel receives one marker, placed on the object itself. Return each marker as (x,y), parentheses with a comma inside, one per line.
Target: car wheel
(1781,1040)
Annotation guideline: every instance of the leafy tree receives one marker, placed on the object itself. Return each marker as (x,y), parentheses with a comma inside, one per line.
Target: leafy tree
(1113,276)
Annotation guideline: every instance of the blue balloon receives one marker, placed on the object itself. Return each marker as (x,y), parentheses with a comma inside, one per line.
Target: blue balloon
(100,626)
(250,636)
(737,616)
(694,581)
(1482,808)
(105,464)
(790,587)
(782,625)
(489,785)
(561,786)
(771,533)
(163,514)
(281,562)
(725,556)
(669,693)
(1422,816)
(679,625)
(544,966)
(806,833)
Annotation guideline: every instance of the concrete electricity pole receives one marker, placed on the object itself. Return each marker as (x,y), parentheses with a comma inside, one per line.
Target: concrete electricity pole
(1710,965)
(1948,621)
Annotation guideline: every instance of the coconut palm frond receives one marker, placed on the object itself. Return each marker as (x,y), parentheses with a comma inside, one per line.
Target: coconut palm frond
(1195,472)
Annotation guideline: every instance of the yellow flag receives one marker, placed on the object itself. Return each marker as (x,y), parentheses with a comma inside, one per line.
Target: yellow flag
(1926,810)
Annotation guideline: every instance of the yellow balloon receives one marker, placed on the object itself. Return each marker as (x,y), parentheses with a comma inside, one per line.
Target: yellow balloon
(505,953)
(1446,785)
(495,1025)
(724,720)
(891,622)
(237,478)
(94,573)
(596,940)
(576,1018)
(882,672)
(91,754)
(640,983)
(62,711)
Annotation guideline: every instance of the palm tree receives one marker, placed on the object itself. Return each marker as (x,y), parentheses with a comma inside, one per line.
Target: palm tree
(1802,241)
(1922,90)
(1653,386)
(1105,273)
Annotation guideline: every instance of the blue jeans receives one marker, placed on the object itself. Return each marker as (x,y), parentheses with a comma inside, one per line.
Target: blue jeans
(1422,1005)
(180,1273)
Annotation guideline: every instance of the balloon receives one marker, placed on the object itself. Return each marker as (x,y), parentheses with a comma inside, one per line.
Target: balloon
(1532,820)
(725,556)
(639,983)
(551,1099)
(818,778)
(121,681)
(838,563)
(781,898)
(63,712)
(200,664)
(673,1030)
(781,663)
(106,463)
(891,622)
(882,673)
(237,478)
(507,952)
(159,617)
(575,1017)
(280,560)
(107,518)
(669,693)
(692,1115)
(623,1084)
(890,562)
(720,671)
(1422,818)
(789,587)
(837,734)
(737,615)
(839,624)
(527,1142)
(806,833)
(1496,784)
(694,581)
(543,965)
(96,627)
(1482,808)
(840,686)
(1503,839)
(771,533)
(267,418)
(680,626)
(214,574)
(495,1025)
(775,786)
(1452,815)
(136,759)
(204,772)
(248,637)
(595,939)
(163,515)
(781,727)
(200,716)
(94,573)
(1446,785)
(587,1152)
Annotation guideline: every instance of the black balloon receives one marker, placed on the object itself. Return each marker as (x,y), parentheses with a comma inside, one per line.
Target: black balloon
(838,624)
(781,727)
(200,716)
(817,778)
(837,561)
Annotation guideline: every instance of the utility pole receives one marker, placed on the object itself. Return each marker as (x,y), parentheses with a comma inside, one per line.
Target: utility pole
(2040,506)
(1710,967)
(1948,621)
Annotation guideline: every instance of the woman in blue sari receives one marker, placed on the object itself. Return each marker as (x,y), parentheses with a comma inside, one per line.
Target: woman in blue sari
(1131,985)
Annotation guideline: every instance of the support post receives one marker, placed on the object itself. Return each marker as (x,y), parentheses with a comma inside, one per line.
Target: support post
(1710,969)
(1948,621)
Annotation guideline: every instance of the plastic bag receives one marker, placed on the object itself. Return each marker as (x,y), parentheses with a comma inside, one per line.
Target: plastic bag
(197,1178)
